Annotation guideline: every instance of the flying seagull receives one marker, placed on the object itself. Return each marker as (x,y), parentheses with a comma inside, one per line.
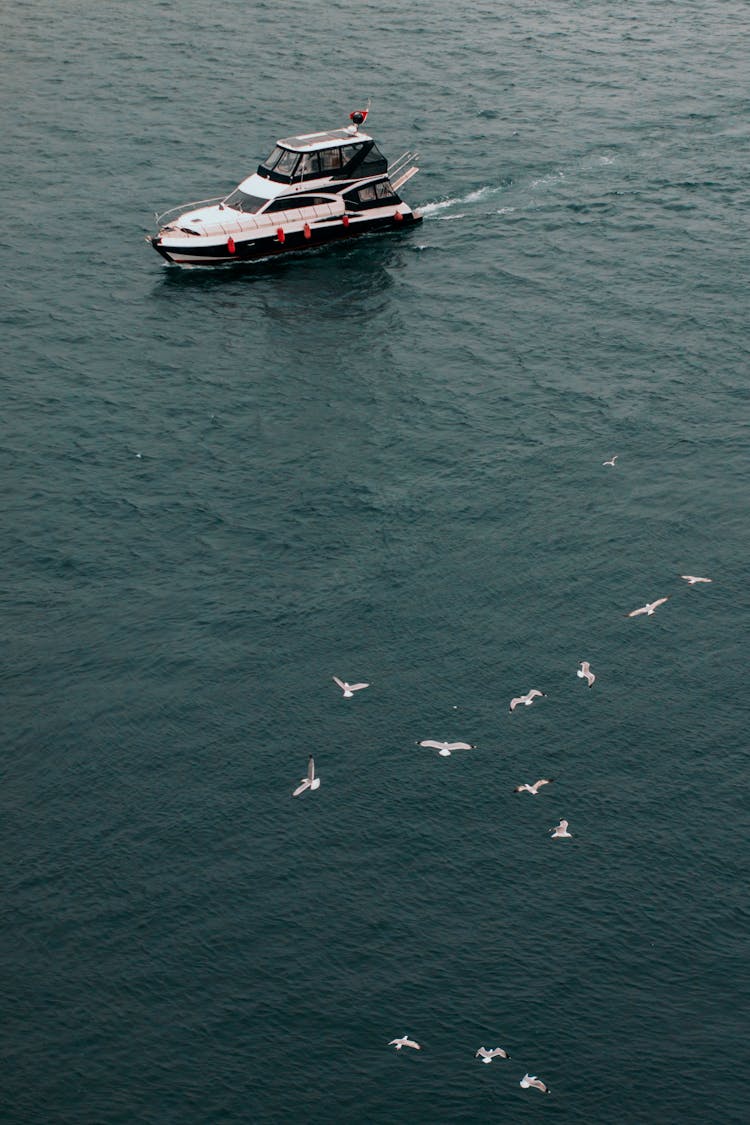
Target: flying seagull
(487,1056)
(533,789)
(404,1041)
(612,461)
(560,832)
(309,782)
(348,689)
(691,579)
(585,672)
(648,608)
(444,748)
(532,1080)
(528,699)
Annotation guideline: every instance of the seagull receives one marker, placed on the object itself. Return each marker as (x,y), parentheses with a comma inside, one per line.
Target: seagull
(528,699)
(404,1041)
(444,748)
(532,1080)
(348,689)
(585,672)
(648,608)
(309,782)
(533,789)
(691,579)
(612,461)
(487,1056)
(561,831)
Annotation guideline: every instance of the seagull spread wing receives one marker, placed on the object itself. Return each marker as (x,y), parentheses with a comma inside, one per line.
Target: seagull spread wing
(341,683)
(357,687)
(311,769)
(659,601)
(542,781)
(303,785)
(637,612)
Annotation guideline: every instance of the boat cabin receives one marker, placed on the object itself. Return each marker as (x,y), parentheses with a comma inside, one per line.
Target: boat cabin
(339,154)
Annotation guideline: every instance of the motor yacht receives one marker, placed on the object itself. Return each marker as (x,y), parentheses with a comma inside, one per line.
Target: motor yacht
(310,190)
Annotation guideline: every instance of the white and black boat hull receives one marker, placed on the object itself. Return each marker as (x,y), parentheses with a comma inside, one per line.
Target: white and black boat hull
(199,251)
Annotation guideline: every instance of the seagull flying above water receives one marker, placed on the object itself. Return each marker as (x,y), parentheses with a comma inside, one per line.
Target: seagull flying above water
(348,689)
(309,782)
(444,749)
(648,608)
(487,1056)
(560,832)
(532,1080)
(527,699)
(533,789)
(404,1041)
(585,672)
(691,579)
(612,461)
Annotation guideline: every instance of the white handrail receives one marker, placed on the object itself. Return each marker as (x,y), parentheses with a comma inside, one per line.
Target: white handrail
(187,207)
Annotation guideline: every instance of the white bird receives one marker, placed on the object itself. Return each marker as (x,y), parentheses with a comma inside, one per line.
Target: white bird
(560,832)
(487,1056)
(404,1041)
(691,579)
(348,689)
(528,699)
(585,672)
(612,461)
(444,748)
(532,1080)
(533,789)
(309,782)
(648,608)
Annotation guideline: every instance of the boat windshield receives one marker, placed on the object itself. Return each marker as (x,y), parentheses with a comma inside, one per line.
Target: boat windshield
(241,201)
(281,160)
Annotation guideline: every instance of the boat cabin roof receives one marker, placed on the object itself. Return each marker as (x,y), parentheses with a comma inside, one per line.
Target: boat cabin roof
(309,142)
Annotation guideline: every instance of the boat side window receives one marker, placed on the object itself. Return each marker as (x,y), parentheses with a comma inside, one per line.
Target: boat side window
(367,193)
(310,163)
(348,152)
(374,161)
(295,203)
(383,190)
(286,162)
(330,158)
(241,201)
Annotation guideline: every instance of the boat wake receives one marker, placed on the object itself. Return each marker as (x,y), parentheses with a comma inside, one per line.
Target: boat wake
(436,208)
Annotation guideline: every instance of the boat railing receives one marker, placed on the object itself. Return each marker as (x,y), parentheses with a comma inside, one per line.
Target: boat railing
(186,207)
(401,161)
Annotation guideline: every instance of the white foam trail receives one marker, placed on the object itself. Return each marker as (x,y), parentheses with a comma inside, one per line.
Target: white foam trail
(440,205)
(472,197)
(543,181)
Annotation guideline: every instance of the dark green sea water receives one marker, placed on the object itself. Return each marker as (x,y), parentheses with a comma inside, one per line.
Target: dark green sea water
(381,461)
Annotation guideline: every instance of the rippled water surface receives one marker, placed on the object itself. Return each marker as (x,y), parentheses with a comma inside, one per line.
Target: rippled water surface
(382,461)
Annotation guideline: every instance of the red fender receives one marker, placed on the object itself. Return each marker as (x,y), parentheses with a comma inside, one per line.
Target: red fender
(280,235)
(230,245)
